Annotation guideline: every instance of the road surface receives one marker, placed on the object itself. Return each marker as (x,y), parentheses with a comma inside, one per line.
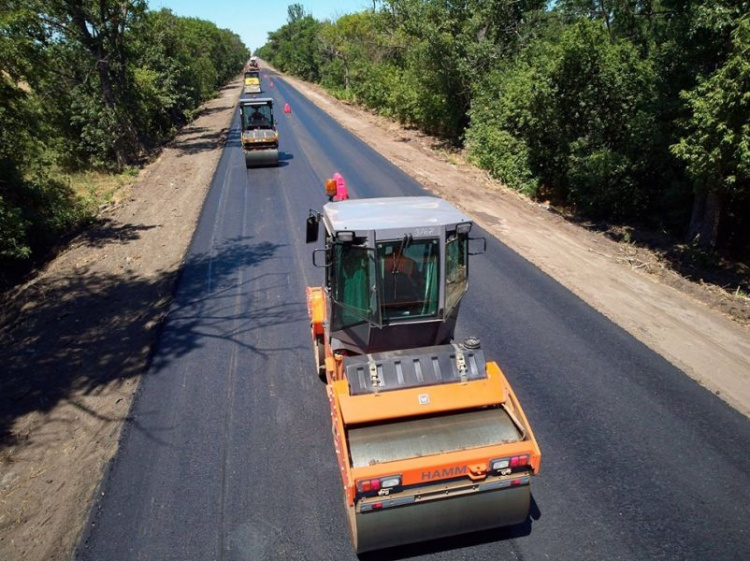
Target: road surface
(228,453)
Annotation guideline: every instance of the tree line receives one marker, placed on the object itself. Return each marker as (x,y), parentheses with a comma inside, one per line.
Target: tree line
(92,84)
(626,111)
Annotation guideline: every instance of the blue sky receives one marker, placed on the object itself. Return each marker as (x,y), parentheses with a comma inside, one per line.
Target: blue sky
(253,19)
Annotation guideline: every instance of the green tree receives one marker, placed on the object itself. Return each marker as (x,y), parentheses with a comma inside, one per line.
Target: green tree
(450,46)
(97,28)
(91,83)
(578,101)
(293,48)
(572,119)
(716,146)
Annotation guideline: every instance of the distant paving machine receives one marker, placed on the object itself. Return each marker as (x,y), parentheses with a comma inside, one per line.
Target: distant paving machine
(260,140)
(430,438)
(252,82)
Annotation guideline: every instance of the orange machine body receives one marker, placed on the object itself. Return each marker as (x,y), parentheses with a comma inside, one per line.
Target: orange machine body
(348,411)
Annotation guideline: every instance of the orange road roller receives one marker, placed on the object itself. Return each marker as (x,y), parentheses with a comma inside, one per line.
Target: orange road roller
(431,440)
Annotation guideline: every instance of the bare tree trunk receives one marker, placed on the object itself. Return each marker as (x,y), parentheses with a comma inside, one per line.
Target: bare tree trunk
(605,15)
(95,45)
(110,102)
(705,222)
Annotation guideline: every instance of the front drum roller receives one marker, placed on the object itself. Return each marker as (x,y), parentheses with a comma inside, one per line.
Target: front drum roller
(438,518)
(262,158)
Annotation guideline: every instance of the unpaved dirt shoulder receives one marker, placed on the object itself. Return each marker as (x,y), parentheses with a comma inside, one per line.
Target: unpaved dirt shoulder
(75,340)
(701,341)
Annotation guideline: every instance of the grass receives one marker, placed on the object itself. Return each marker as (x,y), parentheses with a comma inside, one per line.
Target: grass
(99,189)
(59,205)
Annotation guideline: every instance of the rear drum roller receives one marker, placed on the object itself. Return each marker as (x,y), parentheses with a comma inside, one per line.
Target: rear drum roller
(439,518)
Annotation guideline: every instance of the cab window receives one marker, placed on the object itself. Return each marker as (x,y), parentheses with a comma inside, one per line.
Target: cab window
(352,286)
(456,270)
(408,275)
(256,117)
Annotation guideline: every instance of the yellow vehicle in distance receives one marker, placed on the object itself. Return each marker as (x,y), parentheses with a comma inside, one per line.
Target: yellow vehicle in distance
(252,82)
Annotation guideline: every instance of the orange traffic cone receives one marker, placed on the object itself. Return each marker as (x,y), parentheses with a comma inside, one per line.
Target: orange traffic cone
(287,109)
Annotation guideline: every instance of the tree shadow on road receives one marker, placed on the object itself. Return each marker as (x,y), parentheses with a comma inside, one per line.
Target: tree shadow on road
(77,334)
(223,297)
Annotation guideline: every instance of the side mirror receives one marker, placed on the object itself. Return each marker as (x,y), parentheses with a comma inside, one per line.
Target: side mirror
(315,254)
(477,246)
(313,221)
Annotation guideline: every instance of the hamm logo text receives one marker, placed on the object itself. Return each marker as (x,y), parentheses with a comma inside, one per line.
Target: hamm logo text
(444,473)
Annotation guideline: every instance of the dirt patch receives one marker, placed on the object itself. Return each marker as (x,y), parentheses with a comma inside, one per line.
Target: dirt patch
(75,339)
(720,283)
(689,323)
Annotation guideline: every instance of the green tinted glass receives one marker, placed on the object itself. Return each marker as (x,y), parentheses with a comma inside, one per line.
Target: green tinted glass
(408,274)
(352,286)
(456,271)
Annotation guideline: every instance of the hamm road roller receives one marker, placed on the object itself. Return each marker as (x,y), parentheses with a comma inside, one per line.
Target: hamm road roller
(430,438)
(260,140)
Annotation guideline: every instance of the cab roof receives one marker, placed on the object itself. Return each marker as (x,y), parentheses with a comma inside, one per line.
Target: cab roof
(392,213)
(256,101)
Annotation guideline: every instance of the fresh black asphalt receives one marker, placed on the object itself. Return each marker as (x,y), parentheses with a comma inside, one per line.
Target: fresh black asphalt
(228,455)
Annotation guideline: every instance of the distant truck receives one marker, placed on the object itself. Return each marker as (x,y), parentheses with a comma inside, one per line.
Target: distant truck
(253,64)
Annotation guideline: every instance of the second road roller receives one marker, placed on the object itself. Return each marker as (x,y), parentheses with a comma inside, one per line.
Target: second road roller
(430,437)
(252,81)
(260,139)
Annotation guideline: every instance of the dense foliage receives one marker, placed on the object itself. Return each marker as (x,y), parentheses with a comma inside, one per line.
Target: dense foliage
(91,85)
(622,110)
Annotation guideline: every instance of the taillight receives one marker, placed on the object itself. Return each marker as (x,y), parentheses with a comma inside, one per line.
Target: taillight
(497,465)
(390,482)
(518,461)
(375,485)
(513,462)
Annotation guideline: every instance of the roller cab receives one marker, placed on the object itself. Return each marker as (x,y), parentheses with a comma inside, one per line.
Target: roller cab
(260,139)
(430,438)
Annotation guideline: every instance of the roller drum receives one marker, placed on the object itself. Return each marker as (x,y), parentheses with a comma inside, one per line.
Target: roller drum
(261,158)
(438,518)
